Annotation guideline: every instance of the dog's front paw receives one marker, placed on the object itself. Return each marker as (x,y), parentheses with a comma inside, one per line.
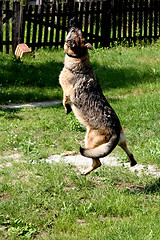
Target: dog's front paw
(68,108)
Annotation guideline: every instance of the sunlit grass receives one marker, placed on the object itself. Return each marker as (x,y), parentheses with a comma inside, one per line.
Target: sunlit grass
(39,200)
(50,201)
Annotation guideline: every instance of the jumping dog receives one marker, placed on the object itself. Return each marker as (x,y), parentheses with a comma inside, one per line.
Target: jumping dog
(81,89)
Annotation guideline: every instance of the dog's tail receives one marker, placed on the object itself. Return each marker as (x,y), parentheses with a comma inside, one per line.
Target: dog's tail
(102,150)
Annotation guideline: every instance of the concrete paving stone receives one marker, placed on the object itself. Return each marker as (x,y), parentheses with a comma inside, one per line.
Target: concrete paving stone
(34,104)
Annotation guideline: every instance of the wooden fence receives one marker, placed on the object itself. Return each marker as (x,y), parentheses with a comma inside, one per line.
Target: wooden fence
(102,22)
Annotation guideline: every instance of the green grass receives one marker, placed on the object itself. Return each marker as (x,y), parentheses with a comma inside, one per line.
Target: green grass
(39,132)
(50,201)
(34,78)
(39,200)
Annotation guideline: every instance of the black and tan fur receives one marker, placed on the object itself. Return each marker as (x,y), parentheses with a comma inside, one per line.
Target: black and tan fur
(81,89)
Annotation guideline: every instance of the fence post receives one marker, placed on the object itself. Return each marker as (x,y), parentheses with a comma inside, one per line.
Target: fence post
(16,25)
(22,22)
(71,11)
(106,23)
(1,26)
(7,27)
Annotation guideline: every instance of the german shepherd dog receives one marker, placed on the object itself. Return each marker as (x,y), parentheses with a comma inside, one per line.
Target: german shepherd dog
(83,94)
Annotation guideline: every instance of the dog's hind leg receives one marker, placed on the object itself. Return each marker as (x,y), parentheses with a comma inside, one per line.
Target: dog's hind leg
(91,141)
(122,143)
(95,164)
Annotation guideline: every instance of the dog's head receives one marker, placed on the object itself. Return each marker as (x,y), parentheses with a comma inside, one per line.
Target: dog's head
(75,44)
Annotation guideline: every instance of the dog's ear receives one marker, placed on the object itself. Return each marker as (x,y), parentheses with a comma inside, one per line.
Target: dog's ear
(89,46)
(72,22)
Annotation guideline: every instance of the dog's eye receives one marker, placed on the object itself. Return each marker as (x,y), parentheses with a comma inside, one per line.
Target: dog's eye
(71,44)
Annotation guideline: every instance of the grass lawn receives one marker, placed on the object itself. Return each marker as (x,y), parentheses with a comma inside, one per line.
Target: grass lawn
(52,201)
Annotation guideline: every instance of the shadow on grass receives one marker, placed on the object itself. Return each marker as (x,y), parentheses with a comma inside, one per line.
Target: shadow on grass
(153,187)
(150,188)
(10,114)
(125,77)
(29,81)
(16,72)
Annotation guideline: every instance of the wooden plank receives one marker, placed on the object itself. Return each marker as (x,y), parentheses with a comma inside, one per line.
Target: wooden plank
(86,19)
(119,20)
(140,19)
(63,24)
(158,19)
(108,24)
(76,12)
(70,11)
(150,20)
(97,23)
(114,17)
(41,15)
(125,3)
(81,15)
(58,24)
(52,24)
(34,28)
(155,18)
(135,21)
(18,22)
(29,18)
(22,25)
(1,26)
(15,25)
(130,22)
(92,21)
(103,24)
(13,29)
(46,24)
(7,27)
(145,19)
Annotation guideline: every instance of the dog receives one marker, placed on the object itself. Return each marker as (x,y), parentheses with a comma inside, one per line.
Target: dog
(83,95)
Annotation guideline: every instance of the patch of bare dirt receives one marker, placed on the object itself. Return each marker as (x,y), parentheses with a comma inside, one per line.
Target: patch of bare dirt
(80,221)
(149,59)
(10,157)
(131,187)
(4,197)
(69,153)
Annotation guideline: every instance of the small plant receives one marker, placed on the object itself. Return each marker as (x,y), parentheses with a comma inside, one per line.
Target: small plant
(74,125)
(17,228)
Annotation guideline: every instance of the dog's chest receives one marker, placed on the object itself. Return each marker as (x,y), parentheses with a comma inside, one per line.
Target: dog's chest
(66,80)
